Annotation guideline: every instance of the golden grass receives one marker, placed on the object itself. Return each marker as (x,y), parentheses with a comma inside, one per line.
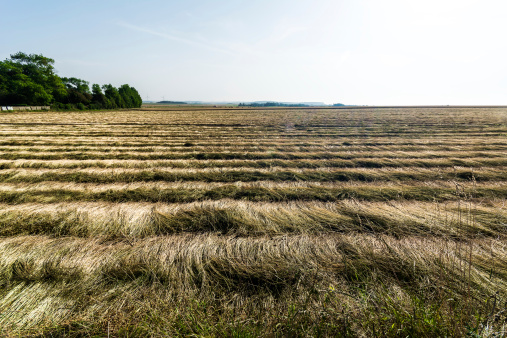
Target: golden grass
(458,164)
(241,218)
(245,174)
(243,222)
(56,280)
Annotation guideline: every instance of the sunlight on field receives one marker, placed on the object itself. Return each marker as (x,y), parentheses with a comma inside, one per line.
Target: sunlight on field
(245,222)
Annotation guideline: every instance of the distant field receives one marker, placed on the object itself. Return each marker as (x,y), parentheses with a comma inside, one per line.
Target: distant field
(254,222)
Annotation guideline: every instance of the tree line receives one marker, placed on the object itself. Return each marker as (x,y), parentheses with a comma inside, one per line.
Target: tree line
(30,79)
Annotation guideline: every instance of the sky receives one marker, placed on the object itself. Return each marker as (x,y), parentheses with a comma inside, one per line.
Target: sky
(357,52)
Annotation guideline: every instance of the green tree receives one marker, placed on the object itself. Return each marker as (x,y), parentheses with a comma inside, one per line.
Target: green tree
(30,79)
(78,91)
(136,98)
(113,96)
(99,100)
(11,82)
(125,94)
(130,96)
(40,84)
(77,84)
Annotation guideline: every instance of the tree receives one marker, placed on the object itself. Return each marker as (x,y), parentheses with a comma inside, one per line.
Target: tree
(126,96)
(11,82)
(98,98)
(130,96)
(30,79)
(38,61)
(77,84)
(113,96)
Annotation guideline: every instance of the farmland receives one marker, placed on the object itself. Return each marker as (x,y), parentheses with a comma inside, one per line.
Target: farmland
(254,222)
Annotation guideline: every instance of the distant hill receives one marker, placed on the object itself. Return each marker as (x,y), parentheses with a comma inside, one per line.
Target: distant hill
(289,103)
(172,102)
(272,104)
(250,103)
(281,104)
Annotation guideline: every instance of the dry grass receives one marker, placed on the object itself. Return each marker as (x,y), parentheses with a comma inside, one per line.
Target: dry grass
(238,222)
(279,174)
(240,218)
(271,273)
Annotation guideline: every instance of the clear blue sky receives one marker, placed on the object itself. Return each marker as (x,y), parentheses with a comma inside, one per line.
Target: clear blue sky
(389,52)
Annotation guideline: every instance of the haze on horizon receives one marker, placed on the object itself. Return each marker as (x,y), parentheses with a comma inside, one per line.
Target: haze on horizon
(362,52)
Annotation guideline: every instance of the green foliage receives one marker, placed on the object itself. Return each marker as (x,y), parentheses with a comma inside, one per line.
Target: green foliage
(30,79)
(99,100)
(77,84)
(58,106)
(130,96)
(113,96)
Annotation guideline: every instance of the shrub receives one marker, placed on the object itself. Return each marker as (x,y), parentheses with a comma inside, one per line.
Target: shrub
(58,106)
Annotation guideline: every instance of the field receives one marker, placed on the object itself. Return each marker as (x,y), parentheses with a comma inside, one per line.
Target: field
(254,222)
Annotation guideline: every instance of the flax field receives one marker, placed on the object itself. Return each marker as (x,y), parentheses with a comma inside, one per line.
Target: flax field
(209,222)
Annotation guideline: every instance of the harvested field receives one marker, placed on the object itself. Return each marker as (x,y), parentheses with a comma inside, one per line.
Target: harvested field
(254,222)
